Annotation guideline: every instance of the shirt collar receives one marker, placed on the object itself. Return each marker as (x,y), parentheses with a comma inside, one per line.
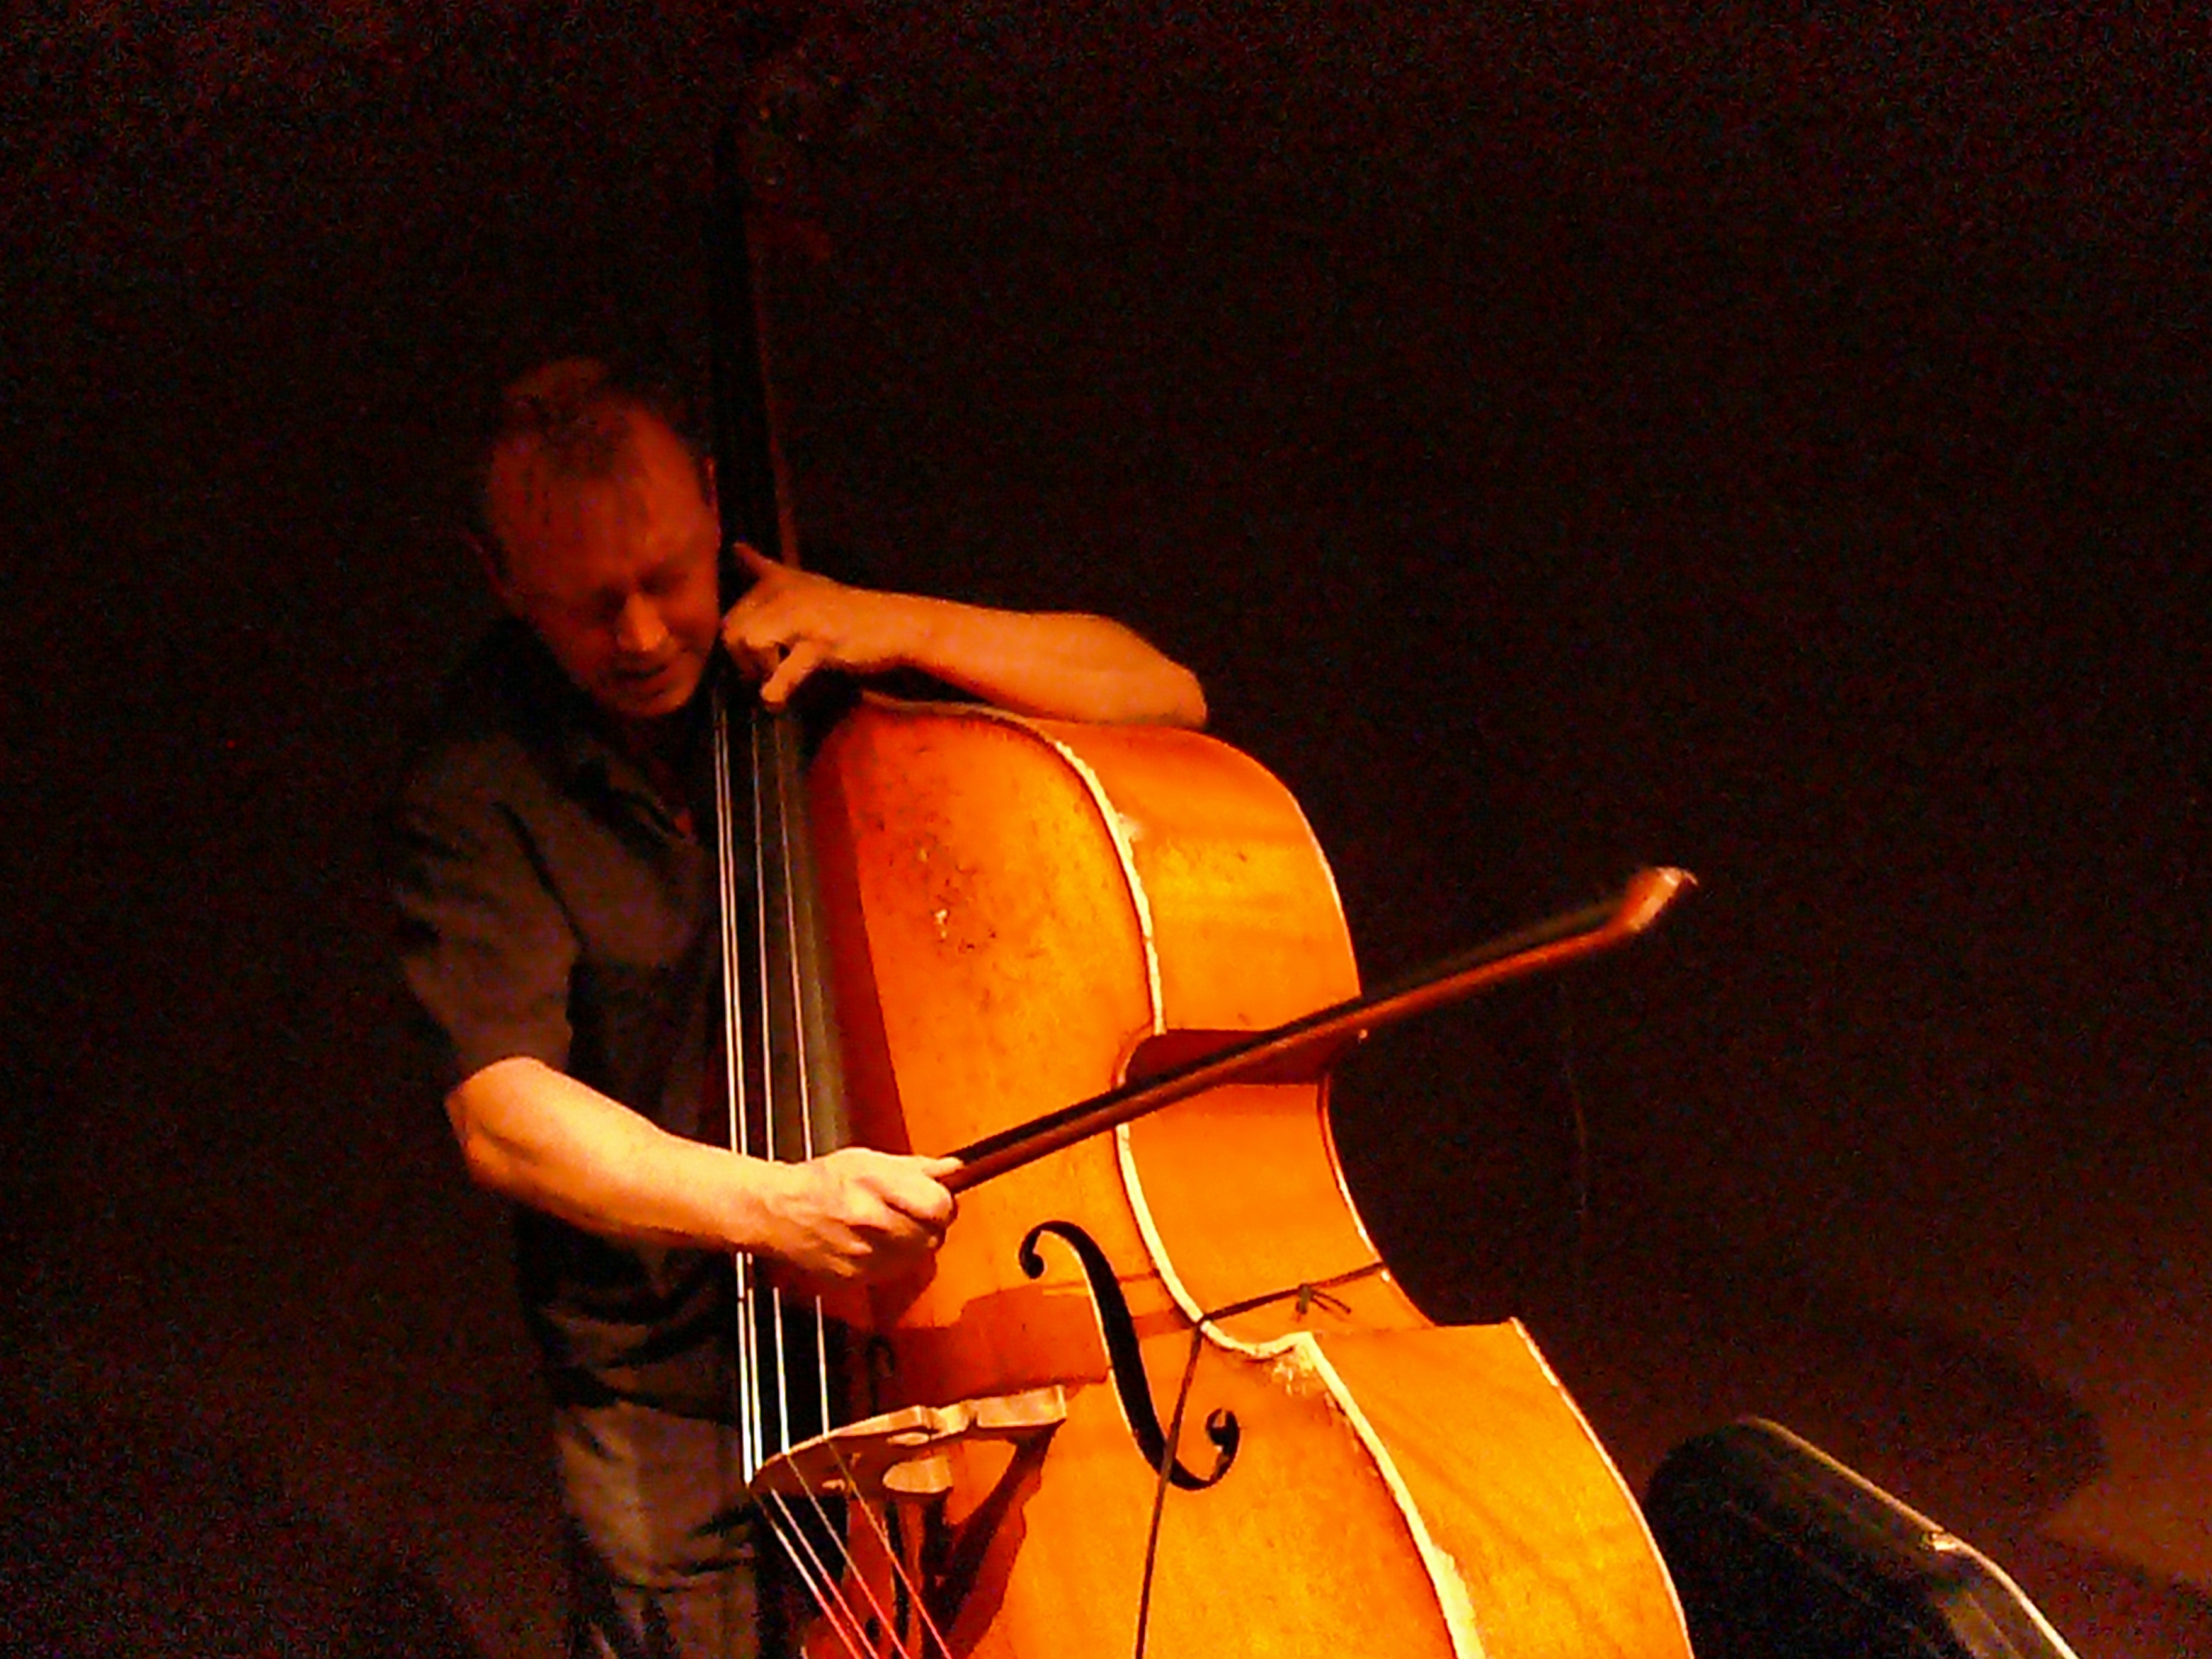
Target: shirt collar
(574,735)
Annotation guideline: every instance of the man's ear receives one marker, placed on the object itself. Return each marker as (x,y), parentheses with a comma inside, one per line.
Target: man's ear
(493,566)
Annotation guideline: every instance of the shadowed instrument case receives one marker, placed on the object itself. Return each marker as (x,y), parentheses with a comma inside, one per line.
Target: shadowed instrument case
(1779,1552)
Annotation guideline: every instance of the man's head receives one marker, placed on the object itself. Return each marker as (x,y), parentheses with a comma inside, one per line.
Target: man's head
(602,536)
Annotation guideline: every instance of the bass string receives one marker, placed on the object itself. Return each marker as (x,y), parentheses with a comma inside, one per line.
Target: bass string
(766,1433)
(780,734)
(738,1128)
(824,1579)
(776,1437)
(738,358)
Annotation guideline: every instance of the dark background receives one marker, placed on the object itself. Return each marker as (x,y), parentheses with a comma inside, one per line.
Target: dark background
(1774,445)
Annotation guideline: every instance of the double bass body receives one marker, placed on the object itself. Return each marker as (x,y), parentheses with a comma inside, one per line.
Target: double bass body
(1013,907)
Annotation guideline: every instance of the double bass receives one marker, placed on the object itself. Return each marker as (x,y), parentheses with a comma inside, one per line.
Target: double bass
(1157,1392)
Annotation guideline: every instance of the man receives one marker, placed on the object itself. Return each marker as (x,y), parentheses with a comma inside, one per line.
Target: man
(558,910)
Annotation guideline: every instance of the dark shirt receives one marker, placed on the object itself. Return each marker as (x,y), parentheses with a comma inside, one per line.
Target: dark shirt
(554,906)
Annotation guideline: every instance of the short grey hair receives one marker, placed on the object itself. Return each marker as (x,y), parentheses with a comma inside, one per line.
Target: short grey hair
(575,413)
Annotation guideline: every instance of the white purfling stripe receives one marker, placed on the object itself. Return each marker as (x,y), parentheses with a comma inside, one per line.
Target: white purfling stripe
(1110,820)
(1454,1605)
(1133,1186)
(1605,1458)
(1453,1601)
(1107,817)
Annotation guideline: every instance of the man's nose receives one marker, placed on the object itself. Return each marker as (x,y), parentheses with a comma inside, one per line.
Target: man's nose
(639,630)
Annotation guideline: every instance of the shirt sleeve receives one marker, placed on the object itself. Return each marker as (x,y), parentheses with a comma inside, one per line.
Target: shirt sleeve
(484,944)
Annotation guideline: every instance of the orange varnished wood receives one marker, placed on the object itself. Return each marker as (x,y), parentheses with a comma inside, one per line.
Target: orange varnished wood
(1014,907)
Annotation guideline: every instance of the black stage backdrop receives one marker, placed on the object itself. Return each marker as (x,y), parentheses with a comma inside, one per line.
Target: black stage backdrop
(1774,445)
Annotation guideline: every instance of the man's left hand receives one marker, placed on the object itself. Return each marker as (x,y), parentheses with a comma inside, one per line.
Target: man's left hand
(790,623)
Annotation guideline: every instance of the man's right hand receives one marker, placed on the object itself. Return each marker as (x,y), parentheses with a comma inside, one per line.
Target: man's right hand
(856,1213)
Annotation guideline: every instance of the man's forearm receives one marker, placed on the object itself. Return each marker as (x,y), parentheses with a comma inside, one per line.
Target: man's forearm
(545,1139)
(1060,664)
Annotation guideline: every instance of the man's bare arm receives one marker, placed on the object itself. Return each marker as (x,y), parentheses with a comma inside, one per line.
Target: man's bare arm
(1060,664)
(540,1136)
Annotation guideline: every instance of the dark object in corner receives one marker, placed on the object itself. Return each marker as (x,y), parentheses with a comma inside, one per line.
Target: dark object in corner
(1779,1552)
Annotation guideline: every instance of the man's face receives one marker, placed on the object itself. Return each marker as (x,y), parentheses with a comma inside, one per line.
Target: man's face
(615,575)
